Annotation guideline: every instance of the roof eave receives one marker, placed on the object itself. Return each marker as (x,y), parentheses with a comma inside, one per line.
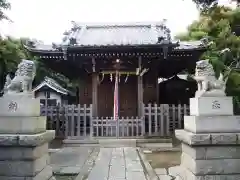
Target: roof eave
(114,46)
(204,48)
(53,88)
(110,47)
(36,50)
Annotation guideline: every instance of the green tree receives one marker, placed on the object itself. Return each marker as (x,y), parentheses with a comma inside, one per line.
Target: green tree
(4,5)
(43,70)
(216,24)
(11,52)
(205,4)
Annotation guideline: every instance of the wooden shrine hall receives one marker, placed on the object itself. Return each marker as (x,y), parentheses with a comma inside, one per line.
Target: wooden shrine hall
(139,52)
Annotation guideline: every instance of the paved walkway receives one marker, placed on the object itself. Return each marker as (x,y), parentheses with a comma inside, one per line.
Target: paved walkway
(70,160)
(117,164)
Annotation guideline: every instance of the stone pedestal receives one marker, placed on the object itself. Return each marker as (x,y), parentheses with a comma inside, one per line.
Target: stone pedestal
(23,139)
(210,140)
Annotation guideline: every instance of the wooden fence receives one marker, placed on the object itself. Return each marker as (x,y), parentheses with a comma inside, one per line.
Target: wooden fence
(120,128)
(163,119)
(69,120)
(76,121)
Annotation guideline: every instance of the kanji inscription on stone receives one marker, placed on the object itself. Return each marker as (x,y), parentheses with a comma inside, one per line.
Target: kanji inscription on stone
(12,106)
(216,105)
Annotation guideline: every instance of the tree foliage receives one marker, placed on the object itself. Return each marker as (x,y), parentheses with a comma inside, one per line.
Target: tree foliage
(4,5)
(204,5)
(11,53)
(224,52)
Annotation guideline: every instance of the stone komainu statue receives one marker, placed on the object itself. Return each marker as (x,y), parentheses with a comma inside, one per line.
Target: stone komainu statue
(208,84)
(22,82)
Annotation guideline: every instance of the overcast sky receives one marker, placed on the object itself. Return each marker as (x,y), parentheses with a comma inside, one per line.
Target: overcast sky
(47,19)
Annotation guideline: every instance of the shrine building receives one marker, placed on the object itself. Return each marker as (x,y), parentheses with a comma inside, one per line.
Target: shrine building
(139,53)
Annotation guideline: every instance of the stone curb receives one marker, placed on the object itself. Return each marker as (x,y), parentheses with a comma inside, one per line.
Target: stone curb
(149,171)
(174,149)
(53,150)
(78,141)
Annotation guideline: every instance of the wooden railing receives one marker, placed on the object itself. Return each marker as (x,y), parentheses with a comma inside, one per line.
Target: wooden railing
(121,127)
(76,121)
(163,119)
(69,120)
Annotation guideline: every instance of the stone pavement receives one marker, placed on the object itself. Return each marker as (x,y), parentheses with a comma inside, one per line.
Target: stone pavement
(117,164)
(70,160)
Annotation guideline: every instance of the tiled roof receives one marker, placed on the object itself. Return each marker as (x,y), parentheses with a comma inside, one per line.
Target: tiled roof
(116,34)
(51,83)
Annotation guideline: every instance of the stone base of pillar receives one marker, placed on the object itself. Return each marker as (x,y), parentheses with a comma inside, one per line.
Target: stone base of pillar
(210,141)
(45,174)
(209,156)
(188,175)
(25,157)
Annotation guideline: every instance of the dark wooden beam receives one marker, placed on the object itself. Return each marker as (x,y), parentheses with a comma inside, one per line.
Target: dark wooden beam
(140,89)
(130,55)
(157,89)
(94,94)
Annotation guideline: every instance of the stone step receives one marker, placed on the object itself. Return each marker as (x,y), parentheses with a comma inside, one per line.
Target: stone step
(154,140)
(111,142)
(53,150)
(80,142)
(155,145)
(161,149)
(117,142)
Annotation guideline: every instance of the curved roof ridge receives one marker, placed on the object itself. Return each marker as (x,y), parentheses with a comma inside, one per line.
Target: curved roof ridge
(53,84)
(120,24)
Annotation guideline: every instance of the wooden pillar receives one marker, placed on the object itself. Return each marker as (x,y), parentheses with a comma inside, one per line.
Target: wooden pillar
(140,88)
(157,89)
(94,94)
(81,87)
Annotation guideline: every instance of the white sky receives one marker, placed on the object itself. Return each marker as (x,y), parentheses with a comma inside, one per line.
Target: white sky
(47,19)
